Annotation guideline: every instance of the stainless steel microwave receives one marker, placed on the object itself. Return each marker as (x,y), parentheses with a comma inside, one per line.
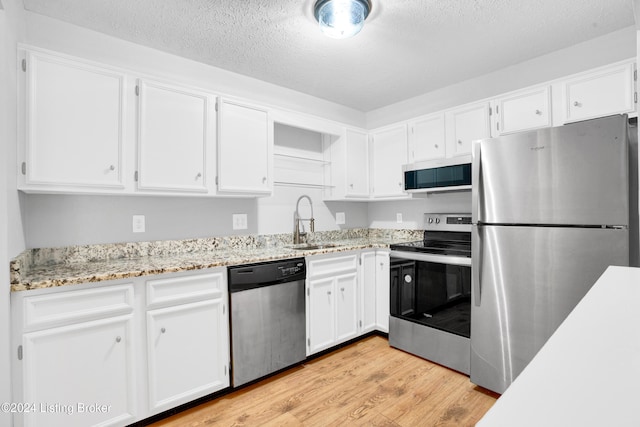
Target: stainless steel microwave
(451,174)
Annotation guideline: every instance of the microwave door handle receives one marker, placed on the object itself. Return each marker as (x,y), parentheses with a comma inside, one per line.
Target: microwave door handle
(476,263)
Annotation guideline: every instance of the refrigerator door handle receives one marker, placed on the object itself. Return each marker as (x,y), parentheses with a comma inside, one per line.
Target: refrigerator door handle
(476,262)
(475,182)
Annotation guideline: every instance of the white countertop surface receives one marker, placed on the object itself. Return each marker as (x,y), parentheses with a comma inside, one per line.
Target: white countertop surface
(588,373)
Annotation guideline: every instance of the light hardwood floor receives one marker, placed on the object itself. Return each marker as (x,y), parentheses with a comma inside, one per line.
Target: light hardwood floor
(366,383)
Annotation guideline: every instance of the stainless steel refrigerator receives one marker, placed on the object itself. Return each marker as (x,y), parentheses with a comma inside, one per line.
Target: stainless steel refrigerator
(550,214)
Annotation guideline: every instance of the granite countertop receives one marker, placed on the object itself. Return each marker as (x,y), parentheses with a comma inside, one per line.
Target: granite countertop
(587,373)
(53,267)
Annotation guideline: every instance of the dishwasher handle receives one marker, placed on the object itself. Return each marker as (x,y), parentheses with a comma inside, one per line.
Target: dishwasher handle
(251,276)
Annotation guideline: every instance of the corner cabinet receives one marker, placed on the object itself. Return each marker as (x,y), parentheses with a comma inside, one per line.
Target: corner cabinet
(245,149)
(176,138)
(77,357)
(74,115)
(389,153)
(332,300)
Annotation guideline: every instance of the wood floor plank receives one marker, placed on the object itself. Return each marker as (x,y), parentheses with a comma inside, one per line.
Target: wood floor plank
(366,383)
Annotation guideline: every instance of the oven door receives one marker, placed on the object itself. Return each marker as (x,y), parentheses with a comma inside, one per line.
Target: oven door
(432,290)
(431,307)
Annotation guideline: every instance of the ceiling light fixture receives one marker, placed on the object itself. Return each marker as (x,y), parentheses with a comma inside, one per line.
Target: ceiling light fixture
(341,19)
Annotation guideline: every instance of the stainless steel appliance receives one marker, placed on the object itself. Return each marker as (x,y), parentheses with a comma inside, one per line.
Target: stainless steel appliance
(550,213)
(267,318)
(430,299)
(450,174)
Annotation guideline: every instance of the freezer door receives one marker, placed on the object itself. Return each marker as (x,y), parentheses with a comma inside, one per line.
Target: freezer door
(572,174)
(525,281)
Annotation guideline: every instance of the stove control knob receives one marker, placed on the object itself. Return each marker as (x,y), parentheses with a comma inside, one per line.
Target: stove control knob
(430,220)
(437,220)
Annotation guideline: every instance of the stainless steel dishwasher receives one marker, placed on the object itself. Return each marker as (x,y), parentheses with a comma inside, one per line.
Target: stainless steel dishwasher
(267,318)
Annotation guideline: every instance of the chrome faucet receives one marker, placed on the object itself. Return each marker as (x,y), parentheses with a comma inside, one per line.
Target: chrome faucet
(297,234)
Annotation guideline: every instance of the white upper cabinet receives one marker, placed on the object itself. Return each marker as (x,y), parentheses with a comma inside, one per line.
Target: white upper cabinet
(389,146)
(464,125)
(427,138)
(522,110)
(606,91)
(74,116)
(245,149)
(176,138)
(357,164)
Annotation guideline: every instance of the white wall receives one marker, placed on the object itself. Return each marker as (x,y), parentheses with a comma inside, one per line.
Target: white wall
(616,46)
(11,230)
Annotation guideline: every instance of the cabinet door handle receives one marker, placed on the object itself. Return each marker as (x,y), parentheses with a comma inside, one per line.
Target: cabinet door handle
(163,330)
(328,292)
(436,145)
(342,289)
(199,175)
(577,104)
(459,141)
(118,339)
(264,179)
(538,112)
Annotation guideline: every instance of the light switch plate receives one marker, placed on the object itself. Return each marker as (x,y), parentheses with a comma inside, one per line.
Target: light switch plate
(138,224)
(340,218)
(239,221)
(399,218)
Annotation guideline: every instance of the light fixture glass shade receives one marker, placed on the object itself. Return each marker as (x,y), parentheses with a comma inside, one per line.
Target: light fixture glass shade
(341,18)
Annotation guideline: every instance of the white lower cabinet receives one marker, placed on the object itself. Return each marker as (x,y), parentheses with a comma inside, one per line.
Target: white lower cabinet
(382,290)
(187,342)
(367,289)
(332,300)
(80,350)
(80,370)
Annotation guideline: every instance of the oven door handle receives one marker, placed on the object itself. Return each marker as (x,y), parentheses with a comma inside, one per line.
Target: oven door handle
(476,262)
(439,259)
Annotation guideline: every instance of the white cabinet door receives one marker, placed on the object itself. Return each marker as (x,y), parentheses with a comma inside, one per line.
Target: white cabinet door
(465,125)
(520,111)
(321,319)
(175,138)
(604,92)
(357,164)
(367,291)
(427,138)
(382,291)
(346,289)
(389,154)
(245,147)
(74,124)
(187,353)
(80,375)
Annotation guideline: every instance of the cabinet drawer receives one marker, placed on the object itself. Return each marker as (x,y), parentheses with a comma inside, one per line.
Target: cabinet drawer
(67,307)
(181,289)
(331,265)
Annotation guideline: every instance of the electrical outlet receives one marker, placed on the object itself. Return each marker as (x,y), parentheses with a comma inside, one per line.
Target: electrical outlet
(399,218)
(340,218)
(138,224)
(239,221)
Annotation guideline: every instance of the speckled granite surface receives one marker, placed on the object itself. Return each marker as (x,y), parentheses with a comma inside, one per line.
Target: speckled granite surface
(51,267)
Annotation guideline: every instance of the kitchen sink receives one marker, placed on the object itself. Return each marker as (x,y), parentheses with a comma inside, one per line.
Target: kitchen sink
(312,246)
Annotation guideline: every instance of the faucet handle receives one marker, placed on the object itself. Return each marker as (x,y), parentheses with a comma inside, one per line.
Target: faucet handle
(312,224)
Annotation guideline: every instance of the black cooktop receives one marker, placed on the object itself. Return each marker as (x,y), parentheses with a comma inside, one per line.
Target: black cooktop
(452,243)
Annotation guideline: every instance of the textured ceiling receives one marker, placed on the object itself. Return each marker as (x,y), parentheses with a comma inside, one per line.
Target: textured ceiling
(407,47)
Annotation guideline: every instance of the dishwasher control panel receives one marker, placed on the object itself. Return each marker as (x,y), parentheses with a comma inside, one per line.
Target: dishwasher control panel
(250,276)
